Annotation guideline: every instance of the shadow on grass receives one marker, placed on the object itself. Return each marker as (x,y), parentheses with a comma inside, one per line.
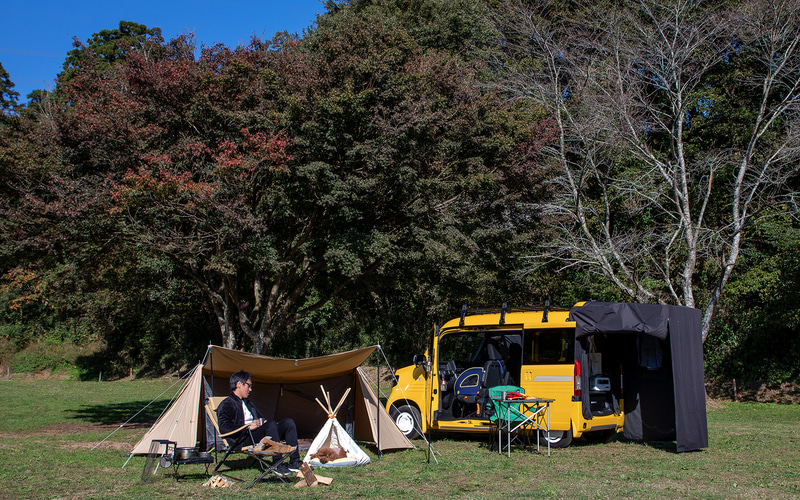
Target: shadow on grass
(485,441)
(138,412)
(666,446)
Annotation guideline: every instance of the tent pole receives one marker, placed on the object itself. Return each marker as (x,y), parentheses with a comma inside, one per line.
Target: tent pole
(377,410)
(422,434)
(203,388)
(211,365)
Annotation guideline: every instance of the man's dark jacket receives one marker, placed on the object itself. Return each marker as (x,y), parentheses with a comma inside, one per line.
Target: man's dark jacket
(231,415)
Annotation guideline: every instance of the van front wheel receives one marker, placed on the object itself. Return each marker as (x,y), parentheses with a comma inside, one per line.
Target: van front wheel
(557,439)
(408,421)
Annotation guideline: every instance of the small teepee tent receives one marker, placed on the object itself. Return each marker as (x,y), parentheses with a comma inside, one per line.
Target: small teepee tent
(333,447)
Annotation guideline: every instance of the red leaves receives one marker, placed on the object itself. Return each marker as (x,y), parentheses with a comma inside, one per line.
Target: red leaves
(228,158)
(256,151)
(159,183)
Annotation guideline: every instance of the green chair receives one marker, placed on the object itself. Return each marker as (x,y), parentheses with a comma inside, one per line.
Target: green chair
(507,415)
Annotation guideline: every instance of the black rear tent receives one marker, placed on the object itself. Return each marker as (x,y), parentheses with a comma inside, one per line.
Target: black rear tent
(659,349)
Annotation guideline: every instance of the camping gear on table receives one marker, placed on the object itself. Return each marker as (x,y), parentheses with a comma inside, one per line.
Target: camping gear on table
(269,461)
(282,387)
(518,416)
(333,447)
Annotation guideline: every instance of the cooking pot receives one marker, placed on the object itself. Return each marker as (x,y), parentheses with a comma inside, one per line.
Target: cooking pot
(186,453)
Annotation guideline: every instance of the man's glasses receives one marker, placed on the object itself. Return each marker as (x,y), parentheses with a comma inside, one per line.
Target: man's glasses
(248,384)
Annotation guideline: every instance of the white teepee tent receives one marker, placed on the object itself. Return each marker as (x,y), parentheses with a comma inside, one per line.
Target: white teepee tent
(334,436)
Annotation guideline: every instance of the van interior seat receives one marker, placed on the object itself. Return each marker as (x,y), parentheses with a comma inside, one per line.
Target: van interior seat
(493,374)
(469,383)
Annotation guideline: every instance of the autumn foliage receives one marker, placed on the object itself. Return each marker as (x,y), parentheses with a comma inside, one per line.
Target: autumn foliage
(281,175)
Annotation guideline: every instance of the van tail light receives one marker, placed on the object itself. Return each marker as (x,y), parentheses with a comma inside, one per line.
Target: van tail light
(577,378)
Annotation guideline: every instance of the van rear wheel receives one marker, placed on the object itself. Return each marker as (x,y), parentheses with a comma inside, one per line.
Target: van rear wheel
(557,439)
(408,421)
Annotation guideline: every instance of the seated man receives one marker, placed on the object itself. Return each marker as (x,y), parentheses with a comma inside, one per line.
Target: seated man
(236,410)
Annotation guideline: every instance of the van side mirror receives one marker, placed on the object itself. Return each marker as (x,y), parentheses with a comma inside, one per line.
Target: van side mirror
(419,359)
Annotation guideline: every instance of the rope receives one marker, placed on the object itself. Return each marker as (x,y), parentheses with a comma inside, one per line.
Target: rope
(395,381)
(144,408)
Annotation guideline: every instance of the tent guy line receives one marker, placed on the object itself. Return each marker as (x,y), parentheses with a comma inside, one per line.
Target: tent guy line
(145,407)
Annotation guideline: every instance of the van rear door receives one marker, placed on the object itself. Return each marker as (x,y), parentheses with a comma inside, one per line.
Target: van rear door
(548,370)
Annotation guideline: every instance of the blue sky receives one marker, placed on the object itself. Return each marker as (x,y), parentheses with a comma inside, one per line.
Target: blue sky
(36,36)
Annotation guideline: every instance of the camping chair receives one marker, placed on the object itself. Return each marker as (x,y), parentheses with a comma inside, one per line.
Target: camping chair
(506,415)
(239,445)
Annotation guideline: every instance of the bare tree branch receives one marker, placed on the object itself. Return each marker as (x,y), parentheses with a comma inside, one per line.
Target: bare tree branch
(625,86)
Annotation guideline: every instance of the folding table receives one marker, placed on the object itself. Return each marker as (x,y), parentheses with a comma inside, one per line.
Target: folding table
(520,417)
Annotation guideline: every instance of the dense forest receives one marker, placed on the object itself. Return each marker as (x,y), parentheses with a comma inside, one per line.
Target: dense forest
(358,183)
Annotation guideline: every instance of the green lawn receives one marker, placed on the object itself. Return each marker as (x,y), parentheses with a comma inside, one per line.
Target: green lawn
(48,429)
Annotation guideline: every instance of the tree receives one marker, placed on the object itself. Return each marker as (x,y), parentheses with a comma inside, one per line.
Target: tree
(282,175)
(8,96)
(66,272)
(759,311)
(677,127)
(109,47)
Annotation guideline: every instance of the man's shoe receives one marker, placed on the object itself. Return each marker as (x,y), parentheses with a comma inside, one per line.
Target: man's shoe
(294,466)
(282,470)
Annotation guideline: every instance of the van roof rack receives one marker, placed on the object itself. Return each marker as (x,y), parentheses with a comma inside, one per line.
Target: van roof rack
(505,308)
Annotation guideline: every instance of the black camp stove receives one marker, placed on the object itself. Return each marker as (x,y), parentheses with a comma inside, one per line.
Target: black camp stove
(172,455)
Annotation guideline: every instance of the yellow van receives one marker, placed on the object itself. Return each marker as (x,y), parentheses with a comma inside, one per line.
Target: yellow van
(533,348)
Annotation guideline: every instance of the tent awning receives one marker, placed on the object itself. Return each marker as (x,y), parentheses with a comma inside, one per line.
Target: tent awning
(224,362)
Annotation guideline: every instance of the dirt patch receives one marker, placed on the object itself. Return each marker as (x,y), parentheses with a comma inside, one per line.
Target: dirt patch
(372,374)
(73,428)
(105,445)
(753,391)
(77,428)
(40,375)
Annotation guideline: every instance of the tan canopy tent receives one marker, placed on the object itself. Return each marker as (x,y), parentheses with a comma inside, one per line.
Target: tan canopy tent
(282,388)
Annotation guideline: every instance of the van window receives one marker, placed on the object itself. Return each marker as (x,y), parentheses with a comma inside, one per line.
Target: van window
(475,348)
(552,346)
(458,347)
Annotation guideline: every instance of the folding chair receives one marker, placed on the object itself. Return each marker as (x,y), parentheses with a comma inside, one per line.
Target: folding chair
(246,444)
(241,444)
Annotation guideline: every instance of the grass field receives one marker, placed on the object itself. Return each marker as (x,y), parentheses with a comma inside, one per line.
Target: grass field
(48,429)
